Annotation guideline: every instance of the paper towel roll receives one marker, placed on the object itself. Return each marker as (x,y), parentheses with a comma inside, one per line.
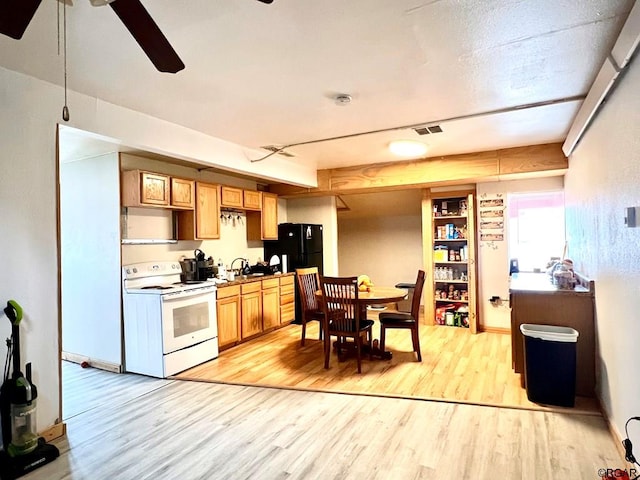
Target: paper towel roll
(284,263)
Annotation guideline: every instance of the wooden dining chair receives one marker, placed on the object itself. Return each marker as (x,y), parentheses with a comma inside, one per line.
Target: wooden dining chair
(405,320)
(342,317)
(308,285)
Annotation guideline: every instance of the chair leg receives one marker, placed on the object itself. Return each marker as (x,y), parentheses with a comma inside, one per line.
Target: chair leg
(383,330)
(416,343)
(327,350)
(320,330)
(370,342)
(358,340)
(304,331)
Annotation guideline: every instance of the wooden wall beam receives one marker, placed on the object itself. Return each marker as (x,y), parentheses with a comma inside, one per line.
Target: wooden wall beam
(434,171)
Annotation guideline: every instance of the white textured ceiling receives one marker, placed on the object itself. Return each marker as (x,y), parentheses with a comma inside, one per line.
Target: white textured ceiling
(261,74)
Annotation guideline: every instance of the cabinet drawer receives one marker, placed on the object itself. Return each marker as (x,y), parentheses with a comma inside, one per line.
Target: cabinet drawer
(287,313)
(230,291)
(288,280)
(286,290)
(286,299)
(270,283)
(250,287)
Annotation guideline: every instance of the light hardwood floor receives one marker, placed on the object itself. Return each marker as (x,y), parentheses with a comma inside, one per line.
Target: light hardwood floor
(195,430)
(456,366)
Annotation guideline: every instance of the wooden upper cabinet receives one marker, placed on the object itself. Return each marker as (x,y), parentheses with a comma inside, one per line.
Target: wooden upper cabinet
(263,225)
(207,211)
(252,200)
(144,189)
(269,216)
(231,197)
(182,193)
(203,222)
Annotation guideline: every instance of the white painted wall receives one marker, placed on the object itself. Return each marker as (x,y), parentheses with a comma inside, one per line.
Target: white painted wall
(493,257)
(603,179)
(90,255)
(28,201)
(319,210)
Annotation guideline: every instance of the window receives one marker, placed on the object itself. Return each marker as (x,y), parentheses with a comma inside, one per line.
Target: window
(536,229)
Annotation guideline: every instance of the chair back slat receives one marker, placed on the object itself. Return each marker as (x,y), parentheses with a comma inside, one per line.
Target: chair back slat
(340,303)
(308,285)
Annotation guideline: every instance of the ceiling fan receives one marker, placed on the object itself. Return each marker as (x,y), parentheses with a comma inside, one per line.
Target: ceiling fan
(15,16)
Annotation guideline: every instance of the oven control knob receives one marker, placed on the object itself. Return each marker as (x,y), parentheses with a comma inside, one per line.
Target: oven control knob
(135,270)
(128,270)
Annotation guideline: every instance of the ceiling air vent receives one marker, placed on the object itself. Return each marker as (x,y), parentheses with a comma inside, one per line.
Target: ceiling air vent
(273,148)
(428,130)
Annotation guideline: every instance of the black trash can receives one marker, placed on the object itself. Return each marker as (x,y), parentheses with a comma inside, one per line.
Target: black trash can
(550,364)
(405,305)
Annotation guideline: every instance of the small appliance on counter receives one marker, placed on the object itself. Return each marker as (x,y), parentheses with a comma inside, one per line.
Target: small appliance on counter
(197,269)
(204,266)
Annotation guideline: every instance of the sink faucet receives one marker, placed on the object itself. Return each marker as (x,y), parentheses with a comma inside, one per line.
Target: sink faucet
(234,261)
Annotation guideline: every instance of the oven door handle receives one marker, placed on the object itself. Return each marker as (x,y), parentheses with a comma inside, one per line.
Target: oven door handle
(188,293)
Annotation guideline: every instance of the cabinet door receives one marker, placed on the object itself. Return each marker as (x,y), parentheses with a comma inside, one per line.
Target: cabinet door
(154,189)
(269,216)
(271,307)
(231,197)
(251,314)
(228,320)
(182,193)
(207,211)
(252,200)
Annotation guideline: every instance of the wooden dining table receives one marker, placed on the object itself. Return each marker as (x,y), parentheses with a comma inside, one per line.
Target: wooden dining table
(376,296)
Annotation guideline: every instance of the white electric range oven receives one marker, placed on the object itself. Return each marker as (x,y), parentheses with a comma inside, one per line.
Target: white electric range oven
(169,326)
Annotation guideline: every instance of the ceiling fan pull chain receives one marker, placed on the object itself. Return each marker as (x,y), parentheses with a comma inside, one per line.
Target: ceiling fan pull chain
(65,108)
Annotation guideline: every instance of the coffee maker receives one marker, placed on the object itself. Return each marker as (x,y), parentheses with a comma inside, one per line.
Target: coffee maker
(189,270)
(204,266)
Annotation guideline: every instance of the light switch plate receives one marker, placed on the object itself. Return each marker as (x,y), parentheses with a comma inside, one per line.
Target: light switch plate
(631,217)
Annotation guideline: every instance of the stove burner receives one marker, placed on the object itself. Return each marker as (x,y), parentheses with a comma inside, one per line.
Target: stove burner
(156,287)
(189,282)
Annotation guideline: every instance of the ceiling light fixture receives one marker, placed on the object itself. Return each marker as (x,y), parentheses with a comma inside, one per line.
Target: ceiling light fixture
(407,148)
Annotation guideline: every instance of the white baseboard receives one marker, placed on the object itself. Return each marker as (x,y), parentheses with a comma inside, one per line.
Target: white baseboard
(102,365)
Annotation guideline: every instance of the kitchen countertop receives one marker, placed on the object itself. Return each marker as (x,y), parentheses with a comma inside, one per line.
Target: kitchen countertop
(539,282)
(240,280)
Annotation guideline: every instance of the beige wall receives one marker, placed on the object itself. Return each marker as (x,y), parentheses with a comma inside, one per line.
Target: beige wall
(604,179)
(387,249)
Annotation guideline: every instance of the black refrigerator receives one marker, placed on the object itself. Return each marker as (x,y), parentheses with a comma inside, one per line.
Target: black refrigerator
(299,245)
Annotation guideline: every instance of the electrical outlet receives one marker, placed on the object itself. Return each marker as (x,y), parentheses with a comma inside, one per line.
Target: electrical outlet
(631,217)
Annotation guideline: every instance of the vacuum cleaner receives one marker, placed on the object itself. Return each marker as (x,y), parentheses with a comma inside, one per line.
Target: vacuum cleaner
(24,450)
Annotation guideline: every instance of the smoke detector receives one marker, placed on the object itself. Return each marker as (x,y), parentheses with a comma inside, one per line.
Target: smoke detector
(342,99)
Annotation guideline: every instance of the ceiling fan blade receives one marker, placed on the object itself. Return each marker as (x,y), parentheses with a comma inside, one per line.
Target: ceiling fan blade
(266,1)
(15,16)
(153,42)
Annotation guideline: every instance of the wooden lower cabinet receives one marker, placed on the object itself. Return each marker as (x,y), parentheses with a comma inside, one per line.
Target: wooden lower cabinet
(270,303)
(251,309)
(534,300)
(228,313)
(248,309)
